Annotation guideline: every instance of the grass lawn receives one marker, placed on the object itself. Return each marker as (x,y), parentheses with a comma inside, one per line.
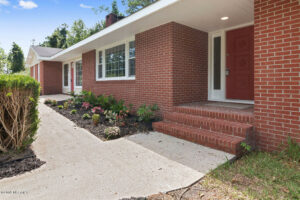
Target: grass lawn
(259,175)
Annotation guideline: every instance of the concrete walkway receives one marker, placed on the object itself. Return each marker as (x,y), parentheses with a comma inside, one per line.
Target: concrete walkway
(81,166)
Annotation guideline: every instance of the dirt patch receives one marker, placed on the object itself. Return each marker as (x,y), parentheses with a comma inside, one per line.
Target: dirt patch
(130,126)
(12,164)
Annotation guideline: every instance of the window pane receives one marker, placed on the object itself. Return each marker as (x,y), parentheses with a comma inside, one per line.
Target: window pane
(79,73)
(66,75)
(132,49)
(217,63)
(132,67)
(100,65)
(115,61)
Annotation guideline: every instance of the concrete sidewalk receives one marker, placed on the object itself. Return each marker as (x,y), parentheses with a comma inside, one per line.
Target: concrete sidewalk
(81,166)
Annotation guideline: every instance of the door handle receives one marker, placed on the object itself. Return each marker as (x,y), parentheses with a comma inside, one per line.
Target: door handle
(227,71)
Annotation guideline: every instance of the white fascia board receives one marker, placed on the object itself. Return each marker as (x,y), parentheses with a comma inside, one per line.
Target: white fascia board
(132,18)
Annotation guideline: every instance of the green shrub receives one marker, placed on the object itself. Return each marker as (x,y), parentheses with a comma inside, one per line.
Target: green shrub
(73,112)
(48,101)
(119,107)
(60,107)
(66,105)
(147,113)
(19,121)
(53,103)
(86,116)
(96,119)
(89,97)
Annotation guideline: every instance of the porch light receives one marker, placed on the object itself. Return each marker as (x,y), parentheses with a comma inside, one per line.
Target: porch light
(224,18)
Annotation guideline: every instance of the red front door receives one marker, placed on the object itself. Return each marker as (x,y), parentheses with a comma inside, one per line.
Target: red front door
(72,78)
(240,63)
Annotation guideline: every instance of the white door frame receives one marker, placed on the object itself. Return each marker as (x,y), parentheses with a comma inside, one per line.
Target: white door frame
(220,95)
(66,89)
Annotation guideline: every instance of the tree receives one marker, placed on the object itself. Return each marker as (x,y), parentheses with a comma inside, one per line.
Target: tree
(16,59)
(96,28)
(3,60)
(136,5)
(77,33)
(58,39)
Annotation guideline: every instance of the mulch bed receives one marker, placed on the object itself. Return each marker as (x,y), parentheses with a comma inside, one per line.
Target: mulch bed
(12,164)
(130,127)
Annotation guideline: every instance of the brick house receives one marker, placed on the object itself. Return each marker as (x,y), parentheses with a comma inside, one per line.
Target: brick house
(222,72)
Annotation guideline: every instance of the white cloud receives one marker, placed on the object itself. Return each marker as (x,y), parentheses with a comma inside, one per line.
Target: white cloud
(27,4)
(85,6)
(4,2)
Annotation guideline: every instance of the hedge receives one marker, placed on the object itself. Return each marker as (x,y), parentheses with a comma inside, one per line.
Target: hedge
(19,120)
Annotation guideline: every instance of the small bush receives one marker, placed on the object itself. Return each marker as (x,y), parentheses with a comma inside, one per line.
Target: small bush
(18,111)
(89,97)
(66,105)
(96,119)
(53,103)
(73,112)
(112,132)
(60,107)
(86,116)
(48,101)
(147,113)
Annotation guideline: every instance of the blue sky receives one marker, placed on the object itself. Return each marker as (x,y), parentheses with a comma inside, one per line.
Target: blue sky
(24,20)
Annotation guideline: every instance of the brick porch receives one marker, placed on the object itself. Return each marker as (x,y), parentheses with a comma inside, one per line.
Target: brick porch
(217,125)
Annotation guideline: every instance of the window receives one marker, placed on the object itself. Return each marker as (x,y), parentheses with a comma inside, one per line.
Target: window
(66,75)
(100,65)
(217,62)
(117,62)
(132,58)
(79,73)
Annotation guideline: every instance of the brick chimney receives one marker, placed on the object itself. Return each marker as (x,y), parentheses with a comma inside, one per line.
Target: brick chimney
(112,18)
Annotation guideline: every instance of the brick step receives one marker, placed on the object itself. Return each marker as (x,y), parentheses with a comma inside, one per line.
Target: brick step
(220,141)
(217,113)
(211,124)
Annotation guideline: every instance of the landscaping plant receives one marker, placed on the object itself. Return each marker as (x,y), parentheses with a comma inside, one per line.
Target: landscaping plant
(86,105)
(53,103)
(96,119)
(86,116)
(66,105)
(48,101)
(60,107)
(18,111)
(73,112)
(111,116)
(112,132)
(147,113)
(97,110)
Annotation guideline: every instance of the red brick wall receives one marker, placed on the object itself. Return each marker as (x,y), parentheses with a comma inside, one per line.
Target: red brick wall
(165,55)
(190,65)
(154,63)
(277,72)
(51,77)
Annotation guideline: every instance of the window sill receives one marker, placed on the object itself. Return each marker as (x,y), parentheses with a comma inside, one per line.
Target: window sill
(117,79)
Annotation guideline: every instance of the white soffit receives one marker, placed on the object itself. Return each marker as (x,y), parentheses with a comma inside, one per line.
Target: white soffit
(204,15)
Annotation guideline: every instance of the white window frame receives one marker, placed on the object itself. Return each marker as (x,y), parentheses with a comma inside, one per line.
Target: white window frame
(38,71)
(75,78)
(103,49)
